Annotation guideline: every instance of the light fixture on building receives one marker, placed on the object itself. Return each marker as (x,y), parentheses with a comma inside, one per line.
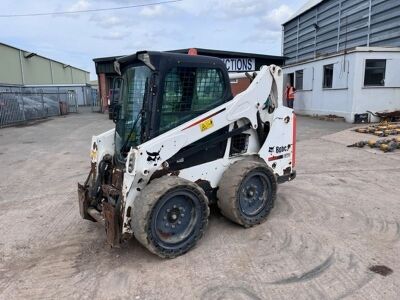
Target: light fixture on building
(29,54)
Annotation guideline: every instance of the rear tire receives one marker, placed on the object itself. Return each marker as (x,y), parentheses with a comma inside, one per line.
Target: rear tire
(170,216)
(247,192)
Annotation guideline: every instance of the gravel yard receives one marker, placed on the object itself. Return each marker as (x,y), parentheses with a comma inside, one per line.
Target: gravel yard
(337,219)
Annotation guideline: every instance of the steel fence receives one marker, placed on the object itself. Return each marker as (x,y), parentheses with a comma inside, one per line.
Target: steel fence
(22,106)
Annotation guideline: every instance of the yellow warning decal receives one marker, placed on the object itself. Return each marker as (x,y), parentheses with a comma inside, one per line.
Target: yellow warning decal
(206,124)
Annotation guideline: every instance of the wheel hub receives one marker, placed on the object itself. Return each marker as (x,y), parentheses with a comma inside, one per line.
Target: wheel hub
(254,194)
(175,218)
(174,215)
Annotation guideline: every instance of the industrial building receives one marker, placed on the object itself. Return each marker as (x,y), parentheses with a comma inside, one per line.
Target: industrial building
(35,87)
(31,71)
(235,62)
(343,56)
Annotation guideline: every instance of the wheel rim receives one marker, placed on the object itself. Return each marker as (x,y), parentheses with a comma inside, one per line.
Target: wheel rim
(175,217)
(254,193)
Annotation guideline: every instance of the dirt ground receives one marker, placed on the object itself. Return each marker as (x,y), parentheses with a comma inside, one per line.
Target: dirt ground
(329,226)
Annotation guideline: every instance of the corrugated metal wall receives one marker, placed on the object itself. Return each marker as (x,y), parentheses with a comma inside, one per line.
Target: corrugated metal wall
(335,25)
(18,68)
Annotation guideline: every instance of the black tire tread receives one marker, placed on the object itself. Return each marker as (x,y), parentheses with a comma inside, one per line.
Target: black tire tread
(229,187)
(144,205)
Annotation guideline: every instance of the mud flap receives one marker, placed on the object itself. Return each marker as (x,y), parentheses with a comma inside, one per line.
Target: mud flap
(111,224)
(84,201)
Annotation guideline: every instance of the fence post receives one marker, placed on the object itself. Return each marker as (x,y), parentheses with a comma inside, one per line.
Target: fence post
(76,103)
(59,100)
(44,114)
(23,105)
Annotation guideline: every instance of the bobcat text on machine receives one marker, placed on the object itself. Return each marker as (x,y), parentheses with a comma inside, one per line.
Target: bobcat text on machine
(181,142)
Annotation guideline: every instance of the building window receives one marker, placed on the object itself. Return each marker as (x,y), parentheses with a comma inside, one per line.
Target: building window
(328,76)
(375,72)
(299,80)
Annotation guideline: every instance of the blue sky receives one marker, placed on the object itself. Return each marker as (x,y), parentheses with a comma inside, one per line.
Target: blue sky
(236,25)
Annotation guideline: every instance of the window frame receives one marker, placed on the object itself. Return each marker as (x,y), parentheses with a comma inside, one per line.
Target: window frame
(383,83)
(325,67)
(296,78)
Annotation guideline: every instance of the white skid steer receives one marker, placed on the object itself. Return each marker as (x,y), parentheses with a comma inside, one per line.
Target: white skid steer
(182,142)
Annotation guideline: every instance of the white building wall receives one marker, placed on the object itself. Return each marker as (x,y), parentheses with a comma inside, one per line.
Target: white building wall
(377,99)
(348,96)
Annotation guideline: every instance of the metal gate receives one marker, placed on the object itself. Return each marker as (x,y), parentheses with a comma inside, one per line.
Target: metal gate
(17,106)
(96,107)
(72,101)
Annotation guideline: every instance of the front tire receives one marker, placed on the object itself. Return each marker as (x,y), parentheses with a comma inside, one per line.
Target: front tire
(170,216)
(247,192)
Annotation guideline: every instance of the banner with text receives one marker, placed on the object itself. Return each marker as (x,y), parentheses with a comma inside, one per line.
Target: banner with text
(240,64)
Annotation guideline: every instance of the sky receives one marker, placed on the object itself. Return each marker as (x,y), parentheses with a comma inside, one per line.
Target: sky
(75,39)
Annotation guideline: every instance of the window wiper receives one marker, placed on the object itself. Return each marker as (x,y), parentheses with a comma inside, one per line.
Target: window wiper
(132,130)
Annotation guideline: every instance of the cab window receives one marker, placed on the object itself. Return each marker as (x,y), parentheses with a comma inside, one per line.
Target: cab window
(189,92)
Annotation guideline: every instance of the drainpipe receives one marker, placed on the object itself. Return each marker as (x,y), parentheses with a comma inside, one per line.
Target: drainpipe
(340,23)
(369,21)
(22,67)
(51,72)
(282,43)
(297,39)
(72,77)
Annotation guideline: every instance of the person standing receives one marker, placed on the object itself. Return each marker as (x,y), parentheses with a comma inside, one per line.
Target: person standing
(289,93)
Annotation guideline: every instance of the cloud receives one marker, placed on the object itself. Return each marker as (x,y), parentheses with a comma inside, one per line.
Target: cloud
(268,30)
(79,5)
(153,11)
(277,16)
(109,21)
(114,35)
(76,39)
(226,9)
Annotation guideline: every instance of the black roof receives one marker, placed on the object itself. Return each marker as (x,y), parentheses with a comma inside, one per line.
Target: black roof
(154,59)
(107,59)
(227,54)
(105,64)
(202,51)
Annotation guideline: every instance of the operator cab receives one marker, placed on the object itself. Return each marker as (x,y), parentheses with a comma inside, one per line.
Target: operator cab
(161,91)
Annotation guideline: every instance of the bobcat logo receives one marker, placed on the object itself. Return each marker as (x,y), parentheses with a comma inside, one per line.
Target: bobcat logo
(153,156)
(271,149)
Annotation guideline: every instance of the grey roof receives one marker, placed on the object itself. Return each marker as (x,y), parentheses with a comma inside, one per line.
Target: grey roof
(308,5)
(49,59)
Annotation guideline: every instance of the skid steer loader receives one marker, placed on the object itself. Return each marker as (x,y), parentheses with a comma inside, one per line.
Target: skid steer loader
(182,142)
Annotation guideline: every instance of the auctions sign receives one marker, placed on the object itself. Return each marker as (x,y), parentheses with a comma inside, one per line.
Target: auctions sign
(240,64)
